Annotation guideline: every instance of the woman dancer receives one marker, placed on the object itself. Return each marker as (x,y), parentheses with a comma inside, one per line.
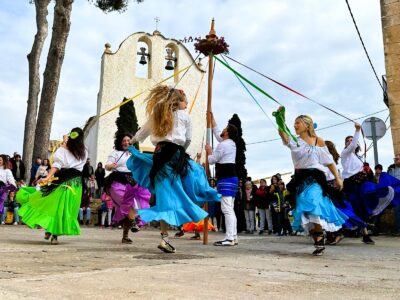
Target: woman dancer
(124,191)
(338,199)
(367,198)
(7,181)
(314,210)
(179,184)
(55,206)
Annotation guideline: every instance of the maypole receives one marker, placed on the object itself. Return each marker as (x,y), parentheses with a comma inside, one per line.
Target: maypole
(210,46)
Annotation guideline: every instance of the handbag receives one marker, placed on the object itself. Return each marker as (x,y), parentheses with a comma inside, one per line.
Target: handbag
(9,217)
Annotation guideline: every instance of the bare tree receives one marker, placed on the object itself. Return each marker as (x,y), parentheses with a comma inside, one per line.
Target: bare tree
(34,82)
(38,124)
(51,78)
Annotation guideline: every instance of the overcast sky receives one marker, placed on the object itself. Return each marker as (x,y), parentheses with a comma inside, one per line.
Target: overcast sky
(310,45)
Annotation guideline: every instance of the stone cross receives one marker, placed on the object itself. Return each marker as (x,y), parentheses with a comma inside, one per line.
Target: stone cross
(157,19)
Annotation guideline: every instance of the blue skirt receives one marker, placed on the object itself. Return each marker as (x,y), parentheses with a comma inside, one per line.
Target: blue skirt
(353,220)
(312,207)
(370,199)
(228,186)
(177,198)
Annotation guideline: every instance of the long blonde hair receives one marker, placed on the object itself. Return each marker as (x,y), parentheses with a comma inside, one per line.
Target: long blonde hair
(162,101)
(309,124)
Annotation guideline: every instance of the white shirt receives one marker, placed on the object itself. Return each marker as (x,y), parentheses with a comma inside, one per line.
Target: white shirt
(6,176)
(225,153)
(307,156)
(64,159)
(351,163)
(180,133)
(395,172)
(120,158)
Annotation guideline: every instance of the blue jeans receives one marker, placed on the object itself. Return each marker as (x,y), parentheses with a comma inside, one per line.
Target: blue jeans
(5,210)
(87,214)
(397,218)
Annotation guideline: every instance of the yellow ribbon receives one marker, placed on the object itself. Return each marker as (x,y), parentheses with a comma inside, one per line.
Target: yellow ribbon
(43,183)
(197,92)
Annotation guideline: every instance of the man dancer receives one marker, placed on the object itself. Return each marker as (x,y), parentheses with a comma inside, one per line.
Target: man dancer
(224,158)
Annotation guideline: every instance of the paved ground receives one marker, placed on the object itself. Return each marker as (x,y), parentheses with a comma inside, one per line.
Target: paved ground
(97,265)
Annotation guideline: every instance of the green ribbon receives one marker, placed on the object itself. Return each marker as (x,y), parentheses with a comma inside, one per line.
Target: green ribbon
(280,121)
(245,79)
(279,115)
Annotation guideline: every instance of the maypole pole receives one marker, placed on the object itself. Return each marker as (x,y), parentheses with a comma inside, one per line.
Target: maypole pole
(211,45)
(211,38)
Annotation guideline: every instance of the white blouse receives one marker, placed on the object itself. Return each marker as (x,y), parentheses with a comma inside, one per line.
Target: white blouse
(120,158)
(351,163)
(225,153)
(180,133)
(64,159)
(307,156)
(6,176)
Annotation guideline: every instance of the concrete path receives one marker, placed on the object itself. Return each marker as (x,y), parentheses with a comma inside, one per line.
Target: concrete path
(96,265)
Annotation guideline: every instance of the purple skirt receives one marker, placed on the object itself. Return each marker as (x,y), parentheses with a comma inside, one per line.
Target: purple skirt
(125,197)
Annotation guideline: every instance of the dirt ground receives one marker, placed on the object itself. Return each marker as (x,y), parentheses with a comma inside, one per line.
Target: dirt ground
(96,265)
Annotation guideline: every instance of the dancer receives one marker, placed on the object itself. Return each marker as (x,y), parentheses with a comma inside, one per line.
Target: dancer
(179,184)
(7,181)
(338,199)
(367,198)
(314,210)
(224,158)
(124,191)
(55,206)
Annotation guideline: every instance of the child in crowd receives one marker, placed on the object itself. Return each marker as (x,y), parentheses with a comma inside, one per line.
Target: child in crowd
(108,207)
(10,205)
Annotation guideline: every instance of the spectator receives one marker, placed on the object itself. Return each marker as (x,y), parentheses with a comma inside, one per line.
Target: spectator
(241,220)
(85,208)
(10,206)
(262,202)
(274,188)
(100,174)
(394,170)
(87,172)
(35,166)
(249,207)
(378,172)
(42,170)
(7,181)
(92,186)
(107,208)
(18,168)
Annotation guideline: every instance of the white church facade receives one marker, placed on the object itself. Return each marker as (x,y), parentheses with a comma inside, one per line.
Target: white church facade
(138,65)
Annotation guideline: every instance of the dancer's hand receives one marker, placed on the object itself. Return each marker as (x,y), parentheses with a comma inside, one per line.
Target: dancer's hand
(357,126)
(208,149)
(339,183)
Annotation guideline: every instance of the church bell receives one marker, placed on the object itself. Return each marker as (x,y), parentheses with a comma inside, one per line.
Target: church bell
(169,65)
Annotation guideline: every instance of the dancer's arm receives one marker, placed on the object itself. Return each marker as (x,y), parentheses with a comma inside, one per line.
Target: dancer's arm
(338,180)
(354,142)
(215,129)
(142,133)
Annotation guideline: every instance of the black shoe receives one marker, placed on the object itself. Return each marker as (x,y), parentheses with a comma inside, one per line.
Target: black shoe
(135,228)
(269,232)
(261,232)
(367,240)
(179,234)
(126,240)
(80,222)
(318,251)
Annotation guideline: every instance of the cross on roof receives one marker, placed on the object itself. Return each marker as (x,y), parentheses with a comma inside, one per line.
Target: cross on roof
(157,19)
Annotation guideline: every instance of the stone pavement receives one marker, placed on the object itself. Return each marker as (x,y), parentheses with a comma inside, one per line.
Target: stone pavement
(96,265)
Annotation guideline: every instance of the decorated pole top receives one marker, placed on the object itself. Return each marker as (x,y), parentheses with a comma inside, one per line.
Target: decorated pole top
(212,44)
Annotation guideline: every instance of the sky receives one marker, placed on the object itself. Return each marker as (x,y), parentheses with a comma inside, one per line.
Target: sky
(310,45)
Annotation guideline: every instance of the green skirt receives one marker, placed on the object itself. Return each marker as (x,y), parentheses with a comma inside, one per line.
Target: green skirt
(57,212)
